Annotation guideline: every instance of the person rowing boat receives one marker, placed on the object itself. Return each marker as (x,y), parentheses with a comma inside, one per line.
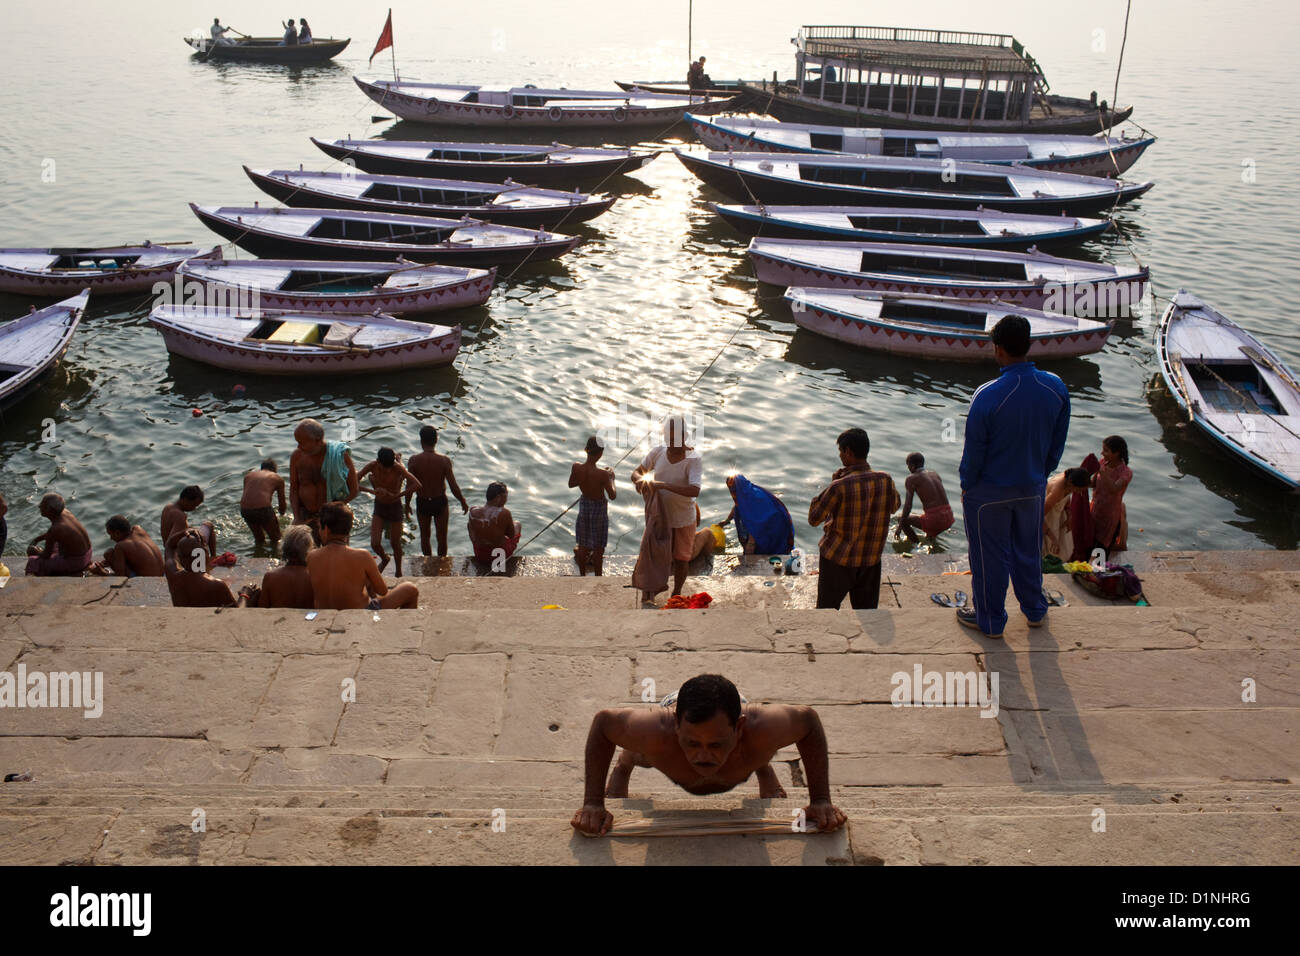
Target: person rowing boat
(219,32)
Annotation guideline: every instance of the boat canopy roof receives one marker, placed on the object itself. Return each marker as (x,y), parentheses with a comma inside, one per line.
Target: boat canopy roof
(920,51)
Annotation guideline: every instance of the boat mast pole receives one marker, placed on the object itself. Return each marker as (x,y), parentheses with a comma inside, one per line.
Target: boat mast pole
(690,15)
(393,50)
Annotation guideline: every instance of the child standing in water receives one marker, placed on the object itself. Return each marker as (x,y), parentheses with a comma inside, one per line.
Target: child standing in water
(389,481)
(1109,516)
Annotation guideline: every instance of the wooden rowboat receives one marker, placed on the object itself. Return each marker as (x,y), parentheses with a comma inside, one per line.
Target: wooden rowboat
(1032,279)
(355,234)
(267,49)
(1232,387)
(888,181)
(984,228)
(30,346)
(936,327)
(508,204)
(112,270)
(676,88)
(304,285)
(454,104)
(1083,155)
(552,166)
(302,343)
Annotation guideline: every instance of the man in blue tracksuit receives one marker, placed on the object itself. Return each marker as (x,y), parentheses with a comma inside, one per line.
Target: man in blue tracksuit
(1015,434)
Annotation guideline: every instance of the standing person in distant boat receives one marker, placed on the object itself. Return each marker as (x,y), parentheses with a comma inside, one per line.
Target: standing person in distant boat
(936,514)
(304,31)
(219,33)
(290,34)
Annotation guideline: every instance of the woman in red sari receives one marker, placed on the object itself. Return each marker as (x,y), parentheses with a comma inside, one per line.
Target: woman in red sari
(1109,516)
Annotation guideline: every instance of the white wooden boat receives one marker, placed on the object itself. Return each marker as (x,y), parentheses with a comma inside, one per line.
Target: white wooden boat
(302,343)
(1232,387)
(829,179)
(357,234)
(307,285)
(553,166)
(462,105)
(986,228)
(937,327)
(30,346)
(112,270)
(1062,153)
(1032,279)
(509,204)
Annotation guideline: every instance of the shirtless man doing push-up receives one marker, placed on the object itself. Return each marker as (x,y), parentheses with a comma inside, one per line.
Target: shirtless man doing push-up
(709,743)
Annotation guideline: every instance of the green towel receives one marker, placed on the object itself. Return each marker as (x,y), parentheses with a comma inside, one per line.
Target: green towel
(335,471)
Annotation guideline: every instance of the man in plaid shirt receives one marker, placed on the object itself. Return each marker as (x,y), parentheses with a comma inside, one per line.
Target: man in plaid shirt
(855,506)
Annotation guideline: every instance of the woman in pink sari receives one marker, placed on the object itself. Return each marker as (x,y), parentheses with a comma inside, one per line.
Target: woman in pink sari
(1109,516)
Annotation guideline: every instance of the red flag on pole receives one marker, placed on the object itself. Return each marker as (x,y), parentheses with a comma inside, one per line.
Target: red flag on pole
(385,38)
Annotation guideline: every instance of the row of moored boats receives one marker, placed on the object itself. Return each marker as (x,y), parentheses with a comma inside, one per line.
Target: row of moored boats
(909,242)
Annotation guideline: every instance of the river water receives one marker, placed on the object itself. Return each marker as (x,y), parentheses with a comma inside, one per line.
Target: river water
(112,128)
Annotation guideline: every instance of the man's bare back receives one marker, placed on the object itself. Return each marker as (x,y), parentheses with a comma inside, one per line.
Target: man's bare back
(928,486)
(136,555)
(187,578)
(259,487)
(431,469)
(174,518)
(69,534)
(289,586)
(595,480)
(343,578)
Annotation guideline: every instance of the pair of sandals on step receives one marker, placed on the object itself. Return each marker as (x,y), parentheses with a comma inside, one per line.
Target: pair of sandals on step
(959,599)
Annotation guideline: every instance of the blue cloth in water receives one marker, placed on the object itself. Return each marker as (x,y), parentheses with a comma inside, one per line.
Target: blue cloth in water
(763,517)
(335,471)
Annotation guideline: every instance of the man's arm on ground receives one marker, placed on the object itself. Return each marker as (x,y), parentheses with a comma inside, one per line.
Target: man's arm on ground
(609,477)
(625,728)
(910,485)
(573,475)
(811,741)
(279,490)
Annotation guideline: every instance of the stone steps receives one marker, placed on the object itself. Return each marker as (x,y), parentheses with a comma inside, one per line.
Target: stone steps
(480,701)
(385,825)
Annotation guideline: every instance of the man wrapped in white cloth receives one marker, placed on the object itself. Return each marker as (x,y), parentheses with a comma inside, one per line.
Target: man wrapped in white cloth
(674,471)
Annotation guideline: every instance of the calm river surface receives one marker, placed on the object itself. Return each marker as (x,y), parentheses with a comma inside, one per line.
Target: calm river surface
(105,101)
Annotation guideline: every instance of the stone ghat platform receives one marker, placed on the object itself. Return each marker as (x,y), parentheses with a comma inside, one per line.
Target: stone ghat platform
(1121,735)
